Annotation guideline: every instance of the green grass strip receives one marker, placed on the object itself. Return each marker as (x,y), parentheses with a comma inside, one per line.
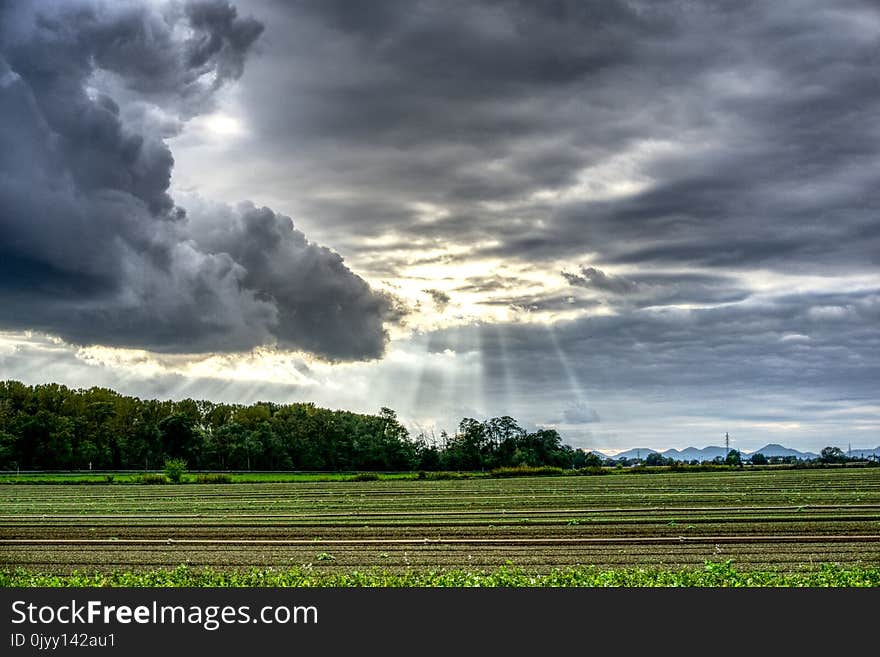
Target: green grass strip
(713,574)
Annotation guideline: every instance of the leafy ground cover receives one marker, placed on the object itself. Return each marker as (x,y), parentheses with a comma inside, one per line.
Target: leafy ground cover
(712,574)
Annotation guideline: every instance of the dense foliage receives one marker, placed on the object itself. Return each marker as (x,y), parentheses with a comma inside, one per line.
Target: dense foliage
(714,574)
(52,427)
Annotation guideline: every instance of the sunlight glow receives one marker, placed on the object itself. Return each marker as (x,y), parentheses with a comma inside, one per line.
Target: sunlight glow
(221,125)
(485,290)
(260,365)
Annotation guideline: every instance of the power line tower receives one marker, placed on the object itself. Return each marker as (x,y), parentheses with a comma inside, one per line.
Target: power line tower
(726,444)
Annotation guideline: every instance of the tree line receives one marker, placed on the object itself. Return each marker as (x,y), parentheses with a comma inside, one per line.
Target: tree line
(53,427)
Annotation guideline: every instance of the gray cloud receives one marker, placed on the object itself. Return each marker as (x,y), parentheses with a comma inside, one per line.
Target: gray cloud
(321,305)
(94,248)
(579,413)
(530,303)
(596,279)
(746,126)
(818,341)
(659,288)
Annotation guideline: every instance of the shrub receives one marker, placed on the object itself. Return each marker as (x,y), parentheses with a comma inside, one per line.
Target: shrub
(214,478)
(152,479)
(175,469)
(365,476)
(526,471)
(108,479)
(590,470)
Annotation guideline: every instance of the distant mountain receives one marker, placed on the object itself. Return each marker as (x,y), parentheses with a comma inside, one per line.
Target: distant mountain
(774,449)
(864,453)
(695,453)
(601,455)
(713,451)
(635,453)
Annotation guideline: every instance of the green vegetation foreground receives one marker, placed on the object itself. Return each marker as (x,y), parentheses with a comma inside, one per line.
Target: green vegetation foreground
(714,574)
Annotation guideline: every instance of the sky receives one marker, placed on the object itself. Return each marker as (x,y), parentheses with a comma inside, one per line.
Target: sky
(642,224)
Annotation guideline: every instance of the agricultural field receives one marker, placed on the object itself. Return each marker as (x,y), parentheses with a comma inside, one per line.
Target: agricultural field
(789,522)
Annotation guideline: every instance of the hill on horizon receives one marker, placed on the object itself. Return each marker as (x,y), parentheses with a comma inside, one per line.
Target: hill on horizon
(710,452)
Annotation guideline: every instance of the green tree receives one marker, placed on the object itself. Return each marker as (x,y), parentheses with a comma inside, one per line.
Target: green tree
(468,448)
(8,451)
(832,455)
(733,457)
(51,427)
(758,459)
(179,436)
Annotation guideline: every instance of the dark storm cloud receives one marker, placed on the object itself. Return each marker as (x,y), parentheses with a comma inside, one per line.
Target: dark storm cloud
(225,40)
(469,60)
(748,126)
(322,307)
(94,248)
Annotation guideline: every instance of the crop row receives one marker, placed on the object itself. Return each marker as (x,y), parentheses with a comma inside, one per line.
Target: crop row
(336,557)
(782,520)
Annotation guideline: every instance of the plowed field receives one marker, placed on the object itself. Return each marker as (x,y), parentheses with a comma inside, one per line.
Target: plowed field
(779,520)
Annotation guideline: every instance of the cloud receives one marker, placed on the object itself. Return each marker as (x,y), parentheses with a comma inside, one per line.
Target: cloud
(705,136)
(659,288)
(537,303)
(728,349)
(322,307)
(590,277)
(579,413)
(440,298)
(94,248)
